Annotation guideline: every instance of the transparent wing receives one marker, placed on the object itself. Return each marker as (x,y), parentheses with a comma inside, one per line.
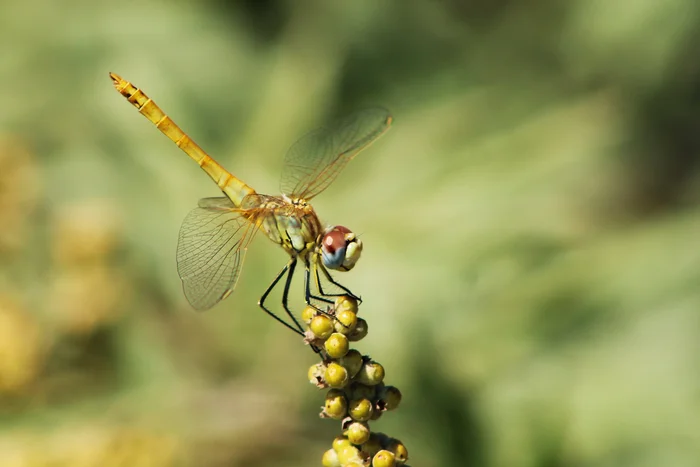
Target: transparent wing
(313,162)
(210,251)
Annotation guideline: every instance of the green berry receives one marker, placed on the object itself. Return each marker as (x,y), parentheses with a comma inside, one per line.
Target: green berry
(352,361)
(360,331)
(389,398)
(373,445)
(362,391)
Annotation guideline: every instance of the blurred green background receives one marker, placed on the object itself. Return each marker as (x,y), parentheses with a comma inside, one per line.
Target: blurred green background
(531,272)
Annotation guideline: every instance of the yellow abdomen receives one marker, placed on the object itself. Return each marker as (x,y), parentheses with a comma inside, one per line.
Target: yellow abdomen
(232,187)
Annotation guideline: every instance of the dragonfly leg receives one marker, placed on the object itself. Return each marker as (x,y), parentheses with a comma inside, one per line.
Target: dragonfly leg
(308,296)
(285,299)
(320,289)
(290,265)
(332,281)
(285,294)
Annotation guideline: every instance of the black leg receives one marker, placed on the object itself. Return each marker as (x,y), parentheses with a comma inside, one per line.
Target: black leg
(319,287)
(307,290)
(307,294)
(330,279)
(285,294)
(290,265)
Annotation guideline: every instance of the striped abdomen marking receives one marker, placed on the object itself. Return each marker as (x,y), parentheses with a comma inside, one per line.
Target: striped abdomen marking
(234,188)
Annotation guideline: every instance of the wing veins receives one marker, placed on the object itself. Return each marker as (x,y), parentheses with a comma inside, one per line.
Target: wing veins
(211,249)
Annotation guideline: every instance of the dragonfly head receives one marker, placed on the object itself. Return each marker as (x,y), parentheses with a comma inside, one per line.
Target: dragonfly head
(340,248)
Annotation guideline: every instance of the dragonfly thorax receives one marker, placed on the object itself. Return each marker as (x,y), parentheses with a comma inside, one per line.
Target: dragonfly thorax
(298,202)
(293,224)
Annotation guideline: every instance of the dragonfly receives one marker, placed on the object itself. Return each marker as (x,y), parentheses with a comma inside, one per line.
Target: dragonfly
(215,236)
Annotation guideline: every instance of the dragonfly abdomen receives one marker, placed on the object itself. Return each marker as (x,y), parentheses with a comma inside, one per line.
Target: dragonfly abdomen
(232,187)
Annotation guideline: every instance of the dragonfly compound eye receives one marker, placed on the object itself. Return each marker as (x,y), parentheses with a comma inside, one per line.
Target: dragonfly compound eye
(340,248)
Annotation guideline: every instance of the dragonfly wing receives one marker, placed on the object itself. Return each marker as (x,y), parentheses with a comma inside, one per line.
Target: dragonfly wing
(313,162)
(210,251)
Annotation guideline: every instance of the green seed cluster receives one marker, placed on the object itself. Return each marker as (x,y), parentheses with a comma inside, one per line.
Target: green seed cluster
(356,390)
(380,449)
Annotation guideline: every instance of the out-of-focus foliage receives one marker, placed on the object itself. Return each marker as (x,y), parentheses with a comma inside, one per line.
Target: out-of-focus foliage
(531,272)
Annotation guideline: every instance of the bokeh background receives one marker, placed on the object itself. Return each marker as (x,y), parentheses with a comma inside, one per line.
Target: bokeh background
(531,273)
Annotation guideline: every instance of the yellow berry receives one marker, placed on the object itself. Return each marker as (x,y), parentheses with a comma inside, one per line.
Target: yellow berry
(336,405)
(345,303)
(336,345)
(336,376)
(371,373)
(358,432)
(308,314)
(316,373)
(321,326)
(383,459)
(348,454)
(330,459)
(360,409)
(399,450)
(340,442)
(345,322)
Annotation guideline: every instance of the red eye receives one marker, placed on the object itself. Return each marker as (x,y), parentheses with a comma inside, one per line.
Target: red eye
(334,239)
(334,248)
(343,229)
